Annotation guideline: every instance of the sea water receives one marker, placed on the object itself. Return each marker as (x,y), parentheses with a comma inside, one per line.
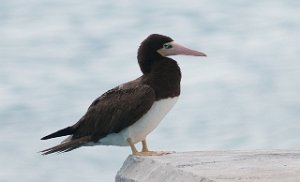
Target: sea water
(57,56)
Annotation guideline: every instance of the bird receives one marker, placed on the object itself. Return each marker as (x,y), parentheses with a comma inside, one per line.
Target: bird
(127,113)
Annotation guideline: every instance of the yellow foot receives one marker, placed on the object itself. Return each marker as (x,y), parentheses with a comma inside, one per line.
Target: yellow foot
(153,153)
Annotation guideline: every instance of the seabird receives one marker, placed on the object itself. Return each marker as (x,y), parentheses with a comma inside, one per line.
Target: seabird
(126,114)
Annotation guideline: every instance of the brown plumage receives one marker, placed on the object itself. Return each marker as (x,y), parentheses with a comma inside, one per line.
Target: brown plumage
(67,146)
(113,111)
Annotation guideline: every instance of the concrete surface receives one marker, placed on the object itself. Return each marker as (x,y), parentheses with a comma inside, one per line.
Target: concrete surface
(214,166)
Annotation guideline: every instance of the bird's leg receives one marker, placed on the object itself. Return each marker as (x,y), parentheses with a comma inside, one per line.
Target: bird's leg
(133,149)
(145,151)
(145,147)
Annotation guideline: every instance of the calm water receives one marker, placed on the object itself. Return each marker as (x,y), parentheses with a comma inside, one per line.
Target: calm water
(56,56)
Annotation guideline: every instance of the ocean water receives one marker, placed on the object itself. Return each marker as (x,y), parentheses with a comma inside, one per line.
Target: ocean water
(56,56)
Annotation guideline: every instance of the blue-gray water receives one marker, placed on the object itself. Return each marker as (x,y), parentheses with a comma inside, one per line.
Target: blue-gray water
(56,56)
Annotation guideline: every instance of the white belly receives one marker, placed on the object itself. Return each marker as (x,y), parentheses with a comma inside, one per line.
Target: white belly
(139,130)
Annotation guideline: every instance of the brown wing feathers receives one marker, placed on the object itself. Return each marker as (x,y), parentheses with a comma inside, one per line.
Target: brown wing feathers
(63,132)
(110,113)
(67,146)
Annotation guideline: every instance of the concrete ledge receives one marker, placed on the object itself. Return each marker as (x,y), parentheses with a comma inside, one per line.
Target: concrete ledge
(214,166)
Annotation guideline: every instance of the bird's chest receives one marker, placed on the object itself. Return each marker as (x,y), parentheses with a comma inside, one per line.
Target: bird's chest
(147,123)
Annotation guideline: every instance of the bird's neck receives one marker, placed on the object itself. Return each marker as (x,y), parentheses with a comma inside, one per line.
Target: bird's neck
(164,78)
(146,60)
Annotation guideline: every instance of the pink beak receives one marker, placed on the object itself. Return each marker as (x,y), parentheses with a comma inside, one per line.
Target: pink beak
(179,49)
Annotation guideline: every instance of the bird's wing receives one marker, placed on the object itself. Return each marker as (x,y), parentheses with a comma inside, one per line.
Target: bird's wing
(113,111)
(110,113)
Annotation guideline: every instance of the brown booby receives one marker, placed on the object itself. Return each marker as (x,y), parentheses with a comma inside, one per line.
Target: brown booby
(126,114)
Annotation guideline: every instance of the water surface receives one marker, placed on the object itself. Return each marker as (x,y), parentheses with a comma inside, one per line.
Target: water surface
(57,56)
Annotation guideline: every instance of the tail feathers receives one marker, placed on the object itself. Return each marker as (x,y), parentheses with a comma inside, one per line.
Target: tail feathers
(67,146)
(59,133)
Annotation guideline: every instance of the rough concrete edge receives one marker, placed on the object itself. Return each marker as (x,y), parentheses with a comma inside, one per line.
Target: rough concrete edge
(133,164)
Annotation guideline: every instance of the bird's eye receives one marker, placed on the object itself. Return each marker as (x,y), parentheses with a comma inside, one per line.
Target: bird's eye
(167,46)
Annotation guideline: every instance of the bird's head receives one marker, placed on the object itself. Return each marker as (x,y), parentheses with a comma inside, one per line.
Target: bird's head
(156,46)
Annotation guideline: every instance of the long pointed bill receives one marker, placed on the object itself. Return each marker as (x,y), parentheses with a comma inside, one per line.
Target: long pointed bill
(173,48)
(179,49)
